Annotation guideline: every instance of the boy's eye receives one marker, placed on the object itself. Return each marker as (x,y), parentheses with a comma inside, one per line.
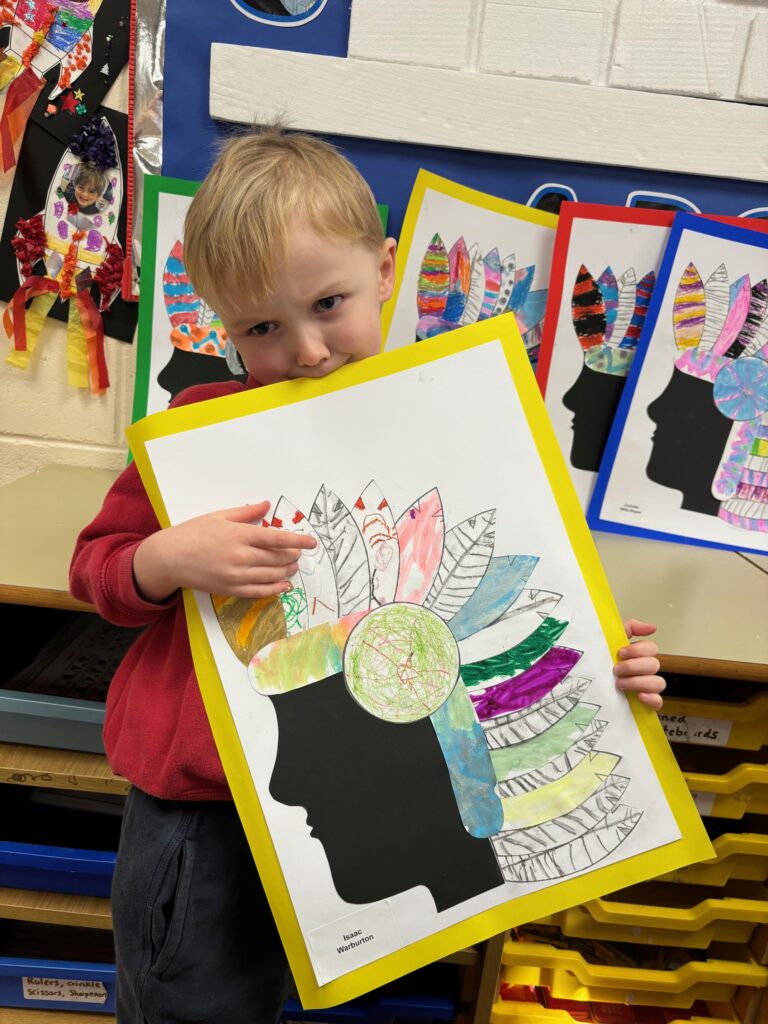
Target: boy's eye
(259,330)
(325,305)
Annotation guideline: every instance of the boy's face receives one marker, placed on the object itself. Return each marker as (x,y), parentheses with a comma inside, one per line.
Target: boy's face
(86,194)
(324,310)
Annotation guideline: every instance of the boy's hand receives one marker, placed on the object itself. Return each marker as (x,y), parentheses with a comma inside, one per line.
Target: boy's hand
(638,665)
(227,552)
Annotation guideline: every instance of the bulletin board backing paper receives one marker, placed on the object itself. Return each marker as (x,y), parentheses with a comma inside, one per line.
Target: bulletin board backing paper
(415,365)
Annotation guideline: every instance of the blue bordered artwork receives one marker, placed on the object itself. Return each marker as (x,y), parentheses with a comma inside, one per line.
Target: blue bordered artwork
(696,281)
(280,13)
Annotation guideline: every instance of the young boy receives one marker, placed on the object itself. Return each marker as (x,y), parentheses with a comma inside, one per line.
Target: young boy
(284,240)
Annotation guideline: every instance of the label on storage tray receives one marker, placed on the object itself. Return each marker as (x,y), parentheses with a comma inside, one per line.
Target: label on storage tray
(64,990)
(709,732)
(704,802)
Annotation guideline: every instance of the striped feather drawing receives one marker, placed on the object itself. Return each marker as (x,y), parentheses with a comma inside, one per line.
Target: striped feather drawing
(466,554)
(609,289)
(688,309)
(346,549)
(557,767)
(318,579)
(476,292)
(580,855)
(626,304)
(717,299)
(507,730)
(567,827)
(376,524)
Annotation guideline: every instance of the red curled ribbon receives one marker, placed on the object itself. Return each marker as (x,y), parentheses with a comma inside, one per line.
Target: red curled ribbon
(14,317)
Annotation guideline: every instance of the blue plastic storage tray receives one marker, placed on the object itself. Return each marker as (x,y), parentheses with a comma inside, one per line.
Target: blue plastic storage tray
(56,869)
(57,985)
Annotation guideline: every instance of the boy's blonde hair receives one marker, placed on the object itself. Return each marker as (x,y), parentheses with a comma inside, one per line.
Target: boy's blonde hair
(236,226)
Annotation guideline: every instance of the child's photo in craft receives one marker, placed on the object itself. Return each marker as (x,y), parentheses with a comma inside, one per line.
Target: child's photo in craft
(87,187)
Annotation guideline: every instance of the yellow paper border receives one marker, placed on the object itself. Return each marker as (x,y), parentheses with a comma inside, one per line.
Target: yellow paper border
(435,183)
(694,844)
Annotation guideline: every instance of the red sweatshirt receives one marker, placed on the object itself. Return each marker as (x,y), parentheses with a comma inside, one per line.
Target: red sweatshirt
(156,732)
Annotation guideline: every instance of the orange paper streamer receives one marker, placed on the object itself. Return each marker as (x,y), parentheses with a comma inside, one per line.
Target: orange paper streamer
(19,101)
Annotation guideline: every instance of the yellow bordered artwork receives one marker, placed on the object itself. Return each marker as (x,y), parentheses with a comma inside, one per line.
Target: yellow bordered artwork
(454,432)
(463,256)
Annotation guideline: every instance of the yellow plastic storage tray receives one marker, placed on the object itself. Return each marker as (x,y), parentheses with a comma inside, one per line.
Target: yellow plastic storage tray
(741,856)
(743,726)
(742,790)
(664,914)
(506,1012)
(569,976)
(725,783)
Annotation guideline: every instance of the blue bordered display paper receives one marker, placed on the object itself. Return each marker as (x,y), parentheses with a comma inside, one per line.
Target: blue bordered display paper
(655,374)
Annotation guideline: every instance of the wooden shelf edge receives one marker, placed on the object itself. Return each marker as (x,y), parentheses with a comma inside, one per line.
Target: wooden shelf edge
(14,1015)
(56,908)
(42,598)
(752,672)
(58,769)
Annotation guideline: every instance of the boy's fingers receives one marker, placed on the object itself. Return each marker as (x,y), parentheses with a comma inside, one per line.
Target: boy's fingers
(635,627)
(653,700)
(268,537)
(637,667)
(641,649)
(256,590)
(273,556)
(247,513)
(271,574)
(651,684)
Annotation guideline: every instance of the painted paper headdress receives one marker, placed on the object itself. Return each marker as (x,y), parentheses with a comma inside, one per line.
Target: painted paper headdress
(721,332)
(44,34)
(608,317)
(462,286)
(425,621)
(195,326)
(74,242)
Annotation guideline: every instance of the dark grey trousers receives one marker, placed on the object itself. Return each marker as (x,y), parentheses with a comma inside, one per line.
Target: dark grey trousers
(194,934)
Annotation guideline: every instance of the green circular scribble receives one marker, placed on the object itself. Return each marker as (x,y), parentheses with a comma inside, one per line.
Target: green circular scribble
(401,662)
(294,606)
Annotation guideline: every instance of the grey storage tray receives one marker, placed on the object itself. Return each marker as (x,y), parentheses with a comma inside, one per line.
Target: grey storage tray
(58,699)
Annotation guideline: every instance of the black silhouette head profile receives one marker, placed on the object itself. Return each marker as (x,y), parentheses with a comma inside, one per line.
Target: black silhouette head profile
(185,368)
(378,797)
(689,441)
(592,399)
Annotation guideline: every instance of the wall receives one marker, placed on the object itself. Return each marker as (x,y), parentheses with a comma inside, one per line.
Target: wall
(716,50)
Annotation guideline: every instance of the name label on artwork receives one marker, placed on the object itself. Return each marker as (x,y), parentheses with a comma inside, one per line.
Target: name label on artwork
(711,732)
(64,990)
(353,941)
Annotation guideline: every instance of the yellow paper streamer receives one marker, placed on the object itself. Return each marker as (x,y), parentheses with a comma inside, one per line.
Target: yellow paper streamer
(77,349)
(35,315)
(9,68)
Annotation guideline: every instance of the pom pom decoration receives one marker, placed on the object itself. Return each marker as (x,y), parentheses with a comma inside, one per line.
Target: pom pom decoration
(95,144)
(109,275)
(29,244)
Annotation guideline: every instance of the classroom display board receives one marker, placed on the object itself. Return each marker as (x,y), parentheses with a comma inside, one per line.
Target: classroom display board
(423,737)
(464,256)
(687,458)
(603,275)
(181,340)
